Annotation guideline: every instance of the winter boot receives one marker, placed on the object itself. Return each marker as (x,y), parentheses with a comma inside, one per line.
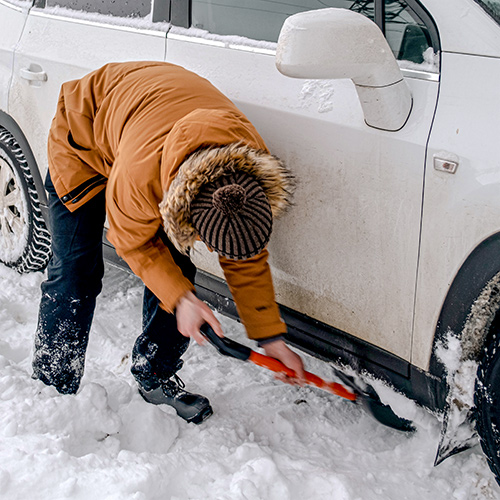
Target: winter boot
(191,407)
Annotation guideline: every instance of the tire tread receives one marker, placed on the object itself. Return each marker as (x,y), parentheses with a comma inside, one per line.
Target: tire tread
(37,253)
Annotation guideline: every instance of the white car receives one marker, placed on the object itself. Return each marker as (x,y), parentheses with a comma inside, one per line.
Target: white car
(387,111)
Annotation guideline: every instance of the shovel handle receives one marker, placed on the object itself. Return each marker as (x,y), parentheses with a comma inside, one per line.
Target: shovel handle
(226,346)
(233,349)
(277,366)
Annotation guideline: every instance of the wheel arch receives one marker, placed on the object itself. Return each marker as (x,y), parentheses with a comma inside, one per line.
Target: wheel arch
(7,122)
(474,291)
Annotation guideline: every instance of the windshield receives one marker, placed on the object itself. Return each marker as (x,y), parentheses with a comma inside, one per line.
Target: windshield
(492,7)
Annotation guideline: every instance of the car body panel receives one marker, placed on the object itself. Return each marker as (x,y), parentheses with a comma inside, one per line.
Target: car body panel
(354,227)
(462,209)
(13,18)
(44,46)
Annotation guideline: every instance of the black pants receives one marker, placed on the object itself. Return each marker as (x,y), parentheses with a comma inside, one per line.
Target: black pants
(68,301)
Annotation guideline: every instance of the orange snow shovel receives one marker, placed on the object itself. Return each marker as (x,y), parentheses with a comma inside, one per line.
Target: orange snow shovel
(368,398)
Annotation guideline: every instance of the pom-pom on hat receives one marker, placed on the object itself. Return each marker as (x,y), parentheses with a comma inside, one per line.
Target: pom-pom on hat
(232,215)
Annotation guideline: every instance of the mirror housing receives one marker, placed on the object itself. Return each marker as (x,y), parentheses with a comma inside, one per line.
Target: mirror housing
(339,43)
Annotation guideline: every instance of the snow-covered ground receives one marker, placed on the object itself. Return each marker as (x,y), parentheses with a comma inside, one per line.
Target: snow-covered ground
(265,440)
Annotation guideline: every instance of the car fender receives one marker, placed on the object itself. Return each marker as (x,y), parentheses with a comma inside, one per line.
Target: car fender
(472,302)
(471,281)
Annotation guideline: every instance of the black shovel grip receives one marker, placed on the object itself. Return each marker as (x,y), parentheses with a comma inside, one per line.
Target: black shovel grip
(226,346)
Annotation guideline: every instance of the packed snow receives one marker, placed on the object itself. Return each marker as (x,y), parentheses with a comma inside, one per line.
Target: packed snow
(266,440)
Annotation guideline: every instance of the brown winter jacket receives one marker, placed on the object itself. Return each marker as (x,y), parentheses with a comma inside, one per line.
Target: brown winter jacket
(132,128)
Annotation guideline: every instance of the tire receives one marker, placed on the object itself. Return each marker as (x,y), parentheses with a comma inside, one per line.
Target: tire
(24,238)
(487,399)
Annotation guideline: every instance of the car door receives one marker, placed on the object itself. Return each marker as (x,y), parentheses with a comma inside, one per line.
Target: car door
(64,40)
(13,17)
(346,253)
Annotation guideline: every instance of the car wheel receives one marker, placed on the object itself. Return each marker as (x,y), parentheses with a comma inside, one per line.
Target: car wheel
(487,399)
(24,238)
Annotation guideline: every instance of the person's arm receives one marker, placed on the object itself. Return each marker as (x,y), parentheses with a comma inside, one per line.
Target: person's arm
(134,227)
(136,240)
(251,285)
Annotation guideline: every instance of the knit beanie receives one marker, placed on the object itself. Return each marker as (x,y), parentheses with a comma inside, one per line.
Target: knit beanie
(232,215)
(241,214)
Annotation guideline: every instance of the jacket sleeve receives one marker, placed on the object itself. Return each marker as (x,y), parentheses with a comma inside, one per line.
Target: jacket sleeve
(251,285)
(134,227)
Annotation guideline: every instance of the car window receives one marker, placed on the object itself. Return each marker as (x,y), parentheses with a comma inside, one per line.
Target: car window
(137,8)
(260,19)
(492,7)
(408,36)
(406,33)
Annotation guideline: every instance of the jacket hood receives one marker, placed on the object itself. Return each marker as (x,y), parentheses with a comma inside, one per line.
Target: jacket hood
(207,165)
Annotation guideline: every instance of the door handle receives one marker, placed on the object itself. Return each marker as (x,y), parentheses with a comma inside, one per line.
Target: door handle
(33,76)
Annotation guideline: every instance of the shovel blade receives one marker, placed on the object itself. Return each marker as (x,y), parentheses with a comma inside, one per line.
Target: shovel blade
(384,413)
(371,402)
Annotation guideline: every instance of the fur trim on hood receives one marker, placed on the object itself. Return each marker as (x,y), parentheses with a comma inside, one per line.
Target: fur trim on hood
(205,166)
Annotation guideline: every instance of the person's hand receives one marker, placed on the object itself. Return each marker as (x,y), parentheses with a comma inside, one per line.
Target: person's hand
(191,313)
(279,350)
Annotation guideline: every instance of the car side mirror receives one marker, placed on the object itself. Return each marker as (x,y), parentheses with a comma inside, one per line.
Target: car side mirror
(339,43)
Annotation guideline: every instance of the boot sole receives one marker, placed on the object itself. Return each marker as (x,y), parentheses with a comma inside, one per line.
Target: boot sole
(203,415)
(196,419)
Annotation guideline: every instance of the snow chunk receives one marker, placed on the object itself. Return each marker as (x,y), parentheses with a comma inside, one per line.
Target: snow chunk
(138,420)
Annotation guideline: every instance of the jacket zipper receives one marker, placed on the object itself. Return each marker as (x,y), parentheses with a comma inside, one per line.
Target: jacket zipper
(77,194)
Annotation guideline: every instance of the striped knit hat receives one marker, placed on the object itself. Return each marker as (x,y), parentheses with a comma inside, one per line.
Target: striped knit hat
(232,216)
